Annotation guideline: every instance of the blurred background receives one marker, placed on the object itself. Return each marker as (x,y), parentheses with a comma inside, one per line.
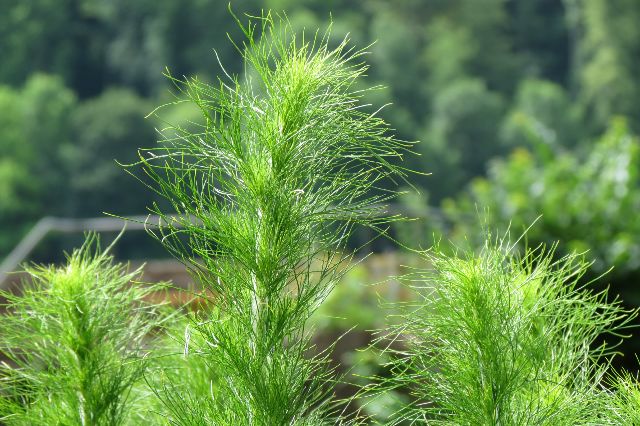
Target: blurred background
(523,109)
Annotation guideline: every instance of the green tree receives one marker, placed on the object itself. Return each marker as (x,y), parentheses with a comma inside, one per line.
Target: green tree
(462,135)
(396,66)
(57,37)
(487,22)
(539,32)
(146,36)
(47,102)
(34,126)
(542,118)
(449,51)
(607,57)
(105,130)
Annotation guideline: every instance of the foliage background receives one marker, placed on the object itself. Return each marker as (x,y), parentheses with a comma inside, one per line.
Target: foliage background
(524,109)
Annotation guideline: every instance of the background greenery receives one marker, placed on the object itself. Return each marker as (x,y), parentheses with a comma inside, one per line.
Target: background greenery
(523,108)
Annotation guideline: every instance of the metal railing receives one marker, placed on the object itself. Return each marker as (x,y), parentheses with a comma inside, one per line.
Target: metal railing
(47,225)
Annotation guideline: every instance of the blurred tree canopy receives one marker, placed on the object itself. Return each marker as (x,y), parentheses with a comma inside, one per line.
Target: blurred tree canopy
(591,198)
(34,125)
(516,105)
(109,127)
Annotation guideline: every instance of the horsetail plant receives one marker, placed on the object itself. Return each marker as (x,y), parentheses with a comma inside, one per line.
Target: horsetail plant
(498,339)
(73,343)
(263,199)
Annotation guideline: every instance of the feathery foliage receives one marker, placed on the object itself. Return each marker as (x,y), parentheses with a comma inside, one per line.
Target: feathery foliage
(73,340)
(496,339)
(264,197)
(172,374)
(623,400)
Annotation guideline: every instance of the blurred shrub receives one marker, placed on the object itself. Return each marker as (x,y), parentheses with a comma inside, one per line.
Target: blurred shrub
(588,202)
(350,305)
(348,318)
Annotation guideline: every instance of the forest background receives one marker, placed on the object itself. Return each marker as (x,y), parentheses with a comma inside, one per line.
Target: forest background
(526,111)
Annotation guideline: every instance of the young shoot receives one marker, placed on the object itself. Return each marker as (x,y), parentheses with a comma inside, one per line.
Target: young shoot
(73,343)
(497,339)
(263,199)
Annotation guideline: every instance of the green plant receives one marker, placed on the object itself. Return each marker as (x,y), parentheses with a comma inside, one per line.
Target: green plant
(174,376)
(263,198)
(497,339)
(73,341)
(623,400)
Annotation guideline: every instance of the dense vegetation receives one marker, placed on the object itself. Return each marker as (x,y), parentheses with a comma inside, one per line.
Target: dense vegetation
(73,343)
(472,80)
(498,338)
(260,177)
(522,108)
(264,195)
